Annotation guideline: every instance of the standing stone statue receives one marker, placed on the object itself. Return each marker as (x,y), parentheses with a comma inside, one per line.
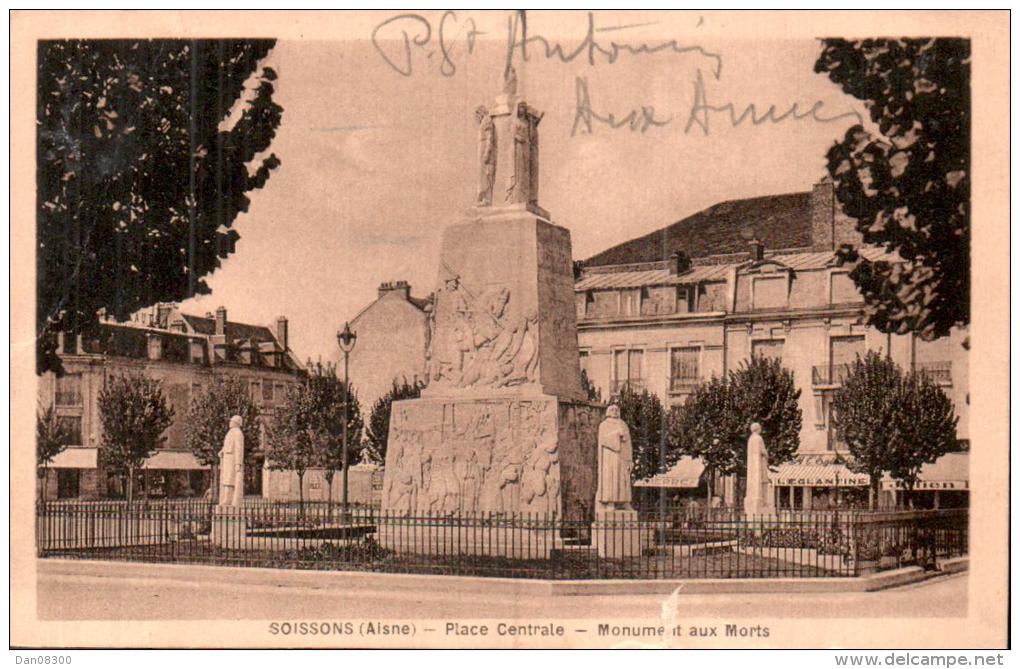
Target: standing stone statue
(486,156)
(232,466)
(616,460)
(758,498)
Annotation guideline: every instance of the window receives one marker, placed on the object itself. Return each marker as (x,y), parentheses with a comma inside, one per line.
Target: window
(843,351)
(72,429)
(842,289)
(155,347)
(627,368)
(583,356)
(256,391)
(267,391)
(769,292)
(683,367)
(767,348)
(280,391)
(197,351)
(68,483)
(630,302)
(69,390)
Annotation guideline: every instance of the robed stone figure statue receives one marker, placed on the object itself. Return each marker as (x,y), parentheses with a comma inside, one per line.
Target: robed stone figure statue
(758,498)
(232,466)
(486,156)
(616,461)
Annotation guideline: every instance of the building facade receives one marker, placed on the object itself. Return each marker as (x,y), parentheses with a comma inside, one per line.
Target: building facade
(668,323)
(185,353)
(392,339)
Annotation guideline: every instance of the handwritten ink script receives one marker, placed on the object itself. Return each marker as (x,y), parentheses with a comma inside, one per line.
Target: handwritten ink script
(403,40)
(394,38)
(699,115)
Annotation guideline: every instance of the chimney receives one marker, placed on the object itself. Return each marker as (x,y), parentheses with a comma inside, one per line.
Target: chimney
(395,286)
(757,249)
(679,262)
(823,207)
(221,320)
(281,332)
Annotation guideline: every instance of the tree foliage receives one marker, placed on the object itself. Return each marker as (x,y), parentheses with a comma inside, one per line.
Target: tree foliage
(209,413)
(714,422)
(305,430)
(378,428)
(891,421)
(642,412)
(50,439)
(146,153)
(134,415)
(592,391)
(50,436)
(909,189)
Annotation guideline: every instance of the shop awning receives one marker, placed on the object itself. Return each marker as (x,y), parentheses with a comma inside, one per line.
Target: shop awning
(75,458)
(830,475)
(173,460)
(950,472)
(684,474)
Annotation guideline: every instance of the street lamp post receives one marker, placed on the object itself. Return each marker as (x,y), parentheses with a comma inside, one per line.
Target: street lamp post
(345,339)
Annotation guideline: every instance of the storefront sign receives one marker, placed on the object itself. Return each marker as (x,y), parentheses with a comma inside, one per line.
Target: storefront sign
(823,481)
(928,485)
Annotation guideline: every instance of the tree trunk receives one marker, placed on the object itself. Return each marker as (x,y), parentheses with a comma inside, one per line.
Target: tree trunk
(130,489)
(301,494)
(45,482)
(214,484)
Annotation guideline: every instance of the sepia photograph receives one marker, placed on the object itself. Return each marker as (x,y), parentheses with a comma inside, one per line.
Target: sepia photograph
(510,329)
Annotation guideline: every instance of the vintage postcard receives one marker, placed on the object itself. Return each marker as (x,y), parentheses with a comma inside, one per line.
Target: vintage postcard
(509,329)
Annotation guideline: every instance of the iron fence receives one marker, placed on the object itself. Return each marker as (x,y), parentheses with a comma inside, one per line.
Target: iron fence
(715,544)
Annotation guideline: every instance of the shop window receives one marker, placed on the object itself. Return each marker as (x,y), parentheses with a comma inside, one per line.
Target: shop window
(68,483)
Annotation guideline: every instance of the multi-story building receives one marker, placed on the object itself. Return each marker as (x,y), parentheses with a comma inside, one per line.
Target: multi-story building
(185,353)
(390,348)
(758,277)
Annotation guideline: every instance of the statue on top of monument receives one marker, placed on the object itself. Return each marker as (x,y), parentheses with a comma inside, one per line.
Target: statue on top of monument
(758,498)
(486,156)
(523,183)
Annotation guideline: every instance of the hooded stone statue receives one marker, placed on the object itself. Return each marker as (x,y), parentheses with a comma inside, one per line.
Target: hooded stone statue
(232,466)
(758,498)
(616,460)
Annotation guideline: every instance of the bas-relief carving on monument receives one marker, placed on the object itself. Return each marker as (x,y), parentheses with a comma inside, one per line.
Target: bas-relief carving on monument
(500,456)
(473,340)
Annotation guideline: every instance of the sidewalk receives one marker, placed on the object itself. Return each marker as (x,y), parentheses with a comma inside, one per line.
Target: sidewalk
(354,580)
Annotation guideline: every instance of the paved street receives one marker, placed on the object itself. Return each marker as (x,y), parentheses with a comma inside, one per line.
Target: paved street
(69,596)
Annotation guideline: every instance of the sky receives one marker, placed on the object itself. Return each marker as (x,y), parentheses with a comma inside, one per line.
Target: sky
(376,162)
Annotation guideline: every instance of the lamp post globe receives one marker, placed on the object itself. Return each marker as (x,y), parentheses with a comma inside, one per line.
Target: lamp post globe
(346,339)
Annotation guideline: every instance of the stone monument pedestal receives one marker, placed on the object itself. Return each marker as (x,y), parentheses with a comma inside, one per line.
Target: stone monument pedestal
(617,533)
(229,528)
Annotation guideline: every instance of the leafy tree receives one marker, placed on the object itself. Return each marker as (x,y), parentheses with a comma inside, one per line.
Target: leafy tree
(714,422)
(143,155)
(909,189)
(50,439)
(643,414)
(926,424)
(208,419)
(289,445)
(134,415)
(863,412)
(891,421)
(763,391)
(326,396)
(378,429)
(590,389)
